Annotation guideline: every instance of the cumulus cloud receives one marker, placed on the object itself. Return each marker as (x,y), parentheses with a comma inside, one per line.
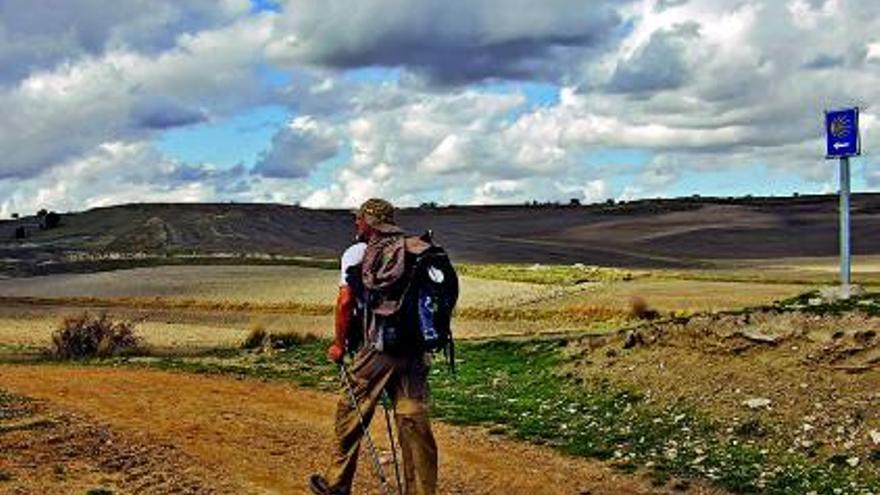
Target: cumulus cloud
(121,172)
(165,113)
(124,94)
(297,148)
(40,35)
(694,85)
(451,42)
(658,65)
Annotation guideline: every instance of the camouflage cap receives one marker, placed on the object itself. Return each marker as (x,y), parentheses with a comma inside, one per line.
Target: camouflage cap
(378,214)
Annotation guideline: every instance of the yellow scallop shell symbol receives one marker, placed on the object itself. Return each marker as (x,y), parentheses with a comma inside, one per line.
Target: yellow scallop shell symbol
(840,127)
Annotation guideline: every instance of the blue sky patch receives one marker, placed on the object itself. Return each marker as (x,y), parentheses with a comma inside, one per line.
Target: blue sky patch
(239,139)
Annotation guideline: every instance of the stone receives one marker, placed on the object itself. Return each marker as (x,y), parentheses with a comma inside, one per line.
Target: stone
(757,403)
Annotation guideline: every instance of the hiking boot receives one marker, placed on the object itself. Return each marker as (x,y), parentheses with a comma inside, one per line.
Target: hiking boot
(319,486)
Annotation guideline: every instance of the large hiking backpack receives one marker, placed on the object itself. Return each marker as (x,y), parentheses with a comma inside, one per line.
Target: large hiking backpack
(428,292)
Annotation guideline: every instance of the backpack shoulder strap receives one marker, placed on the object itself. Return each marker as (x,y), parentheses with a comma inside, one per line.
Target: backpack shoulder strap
(416,245)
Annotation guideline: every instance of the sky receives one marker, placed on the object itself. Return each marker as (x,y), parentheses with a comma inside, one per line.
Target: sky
(325,103)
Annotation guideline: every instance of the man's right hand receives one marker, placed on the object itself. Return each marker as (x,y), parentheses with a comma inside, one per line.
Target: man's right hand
(335,353)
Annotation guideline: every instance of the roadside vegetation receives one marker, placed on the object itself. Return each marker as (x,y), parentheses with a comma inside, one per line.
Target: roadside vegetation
(547,274)
(87,336)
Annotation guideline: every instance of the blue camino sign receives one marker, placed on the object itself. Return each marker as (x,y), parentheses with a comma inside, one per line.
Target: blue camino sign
(842,133)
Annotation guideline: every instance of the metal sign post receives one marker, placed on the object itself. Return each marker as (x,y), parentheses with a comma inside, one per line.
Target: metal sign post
(845,264)
(842,141)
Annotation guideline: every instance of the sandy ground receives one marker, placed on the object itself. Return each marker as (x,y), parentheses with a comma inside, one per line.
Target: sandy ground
(820,374)
(237,284)
(221,435)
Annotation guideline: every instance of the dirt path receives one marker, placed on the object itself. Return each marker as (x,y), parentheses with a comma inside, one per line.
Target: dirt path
(265,438)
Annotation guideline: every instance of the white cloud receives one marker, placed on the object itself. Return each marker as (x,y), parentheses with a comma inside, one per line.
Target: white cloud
(298,148)
(807,15)
(498,192)
(120,172)
(123,95)
(449,41)
(695,85)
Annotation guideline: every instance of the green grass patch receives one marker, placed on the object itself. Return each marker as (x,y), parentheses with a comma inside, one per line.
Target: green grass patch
(517,386)
(812,302)
(545,274)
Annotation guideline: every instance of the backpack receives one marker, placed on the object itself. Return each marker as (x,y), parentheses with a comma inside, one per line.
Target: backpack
(428,292)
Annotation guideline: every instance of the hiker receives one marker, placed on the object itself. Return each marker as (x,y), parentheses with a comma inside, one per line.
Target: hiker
(385,360)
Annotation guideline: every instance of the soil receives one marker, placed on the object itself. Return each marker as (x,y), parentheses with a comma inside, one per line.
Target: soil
(147,431)
(820,374)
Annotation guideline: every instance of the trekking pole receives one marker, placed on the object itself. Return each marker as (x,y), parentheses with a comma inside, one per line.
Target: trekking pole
(385,403)
(374,453)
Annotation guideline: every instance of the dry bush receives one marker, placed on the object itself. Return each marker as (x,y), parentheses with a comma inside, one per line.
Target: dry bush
(255,338)
(86,336)
(260,339)
(290,339)
(638,308)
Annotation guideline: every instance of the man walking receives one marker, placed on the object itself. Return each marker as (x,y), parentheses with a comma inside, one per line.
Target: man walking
(378,265)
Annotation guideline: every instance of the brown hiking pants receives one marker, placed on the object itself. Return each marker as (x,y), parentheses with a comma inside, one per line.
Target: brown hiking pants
(406,380)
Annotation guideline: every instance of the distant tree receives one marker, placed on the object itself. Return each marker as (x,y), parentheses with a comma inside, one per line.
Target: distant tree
(796,194)
(49,220)
(42,213)
(609,201)
(574,202)
(15,216)
(52,220)
(429,204)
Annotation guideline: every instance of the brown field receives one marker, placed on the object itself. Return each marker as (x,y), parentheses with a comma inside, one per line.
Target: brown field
(651,233)
(197,307)
(239,284)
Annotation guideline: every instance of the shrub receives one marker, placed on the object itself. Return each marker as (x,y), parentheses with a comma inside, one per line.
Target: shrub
(260,339)
(255,338)
(638,308)
(290,339)
(93,336)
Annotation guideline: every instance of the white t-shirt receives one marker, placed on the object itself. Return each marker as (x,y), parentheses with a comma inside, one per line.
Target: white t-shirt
(352,256)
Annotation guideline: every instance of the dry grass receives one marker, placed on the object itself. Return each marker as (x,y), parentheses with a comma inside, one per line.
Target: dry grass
(679,295)
(804,271)
(85,336)
(234,288)
(233,284)
(214,306)
(161,330)
(175,304)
